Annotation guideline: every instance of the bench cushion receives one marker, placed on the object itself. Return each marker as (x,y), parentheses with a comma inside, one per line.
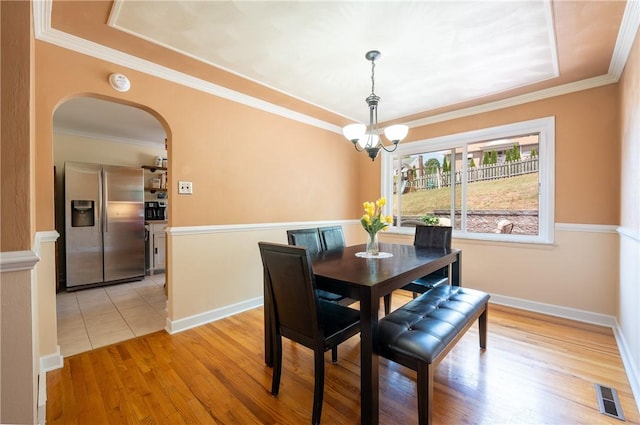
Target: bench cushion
(422,328)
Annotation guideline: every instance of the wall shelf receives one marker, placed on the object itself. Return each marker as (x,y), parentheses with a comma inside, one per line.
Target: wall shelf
(153,168)
(154,189)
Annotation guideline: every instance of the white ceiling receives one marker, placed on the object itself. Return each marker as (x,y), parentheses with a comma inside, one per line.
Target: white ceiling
(434,54)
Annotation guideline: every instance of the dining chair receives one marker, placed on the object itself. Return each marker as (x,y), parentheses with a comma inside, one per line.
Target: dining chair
(308,238)
(427,237)
(332,237)
(297,313)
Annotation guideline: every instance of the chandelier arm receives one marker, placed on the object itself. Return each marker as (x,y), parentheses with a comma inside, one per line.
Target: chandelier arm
(395,146)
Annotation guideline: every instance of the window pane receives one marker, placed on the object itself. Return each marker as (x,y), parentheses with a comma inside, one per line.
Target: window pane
(502,186)
(421,189)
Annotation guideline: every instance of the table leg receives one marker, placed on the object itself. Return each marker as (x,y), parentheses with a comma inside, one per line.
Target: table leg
(368,358)
(456,270)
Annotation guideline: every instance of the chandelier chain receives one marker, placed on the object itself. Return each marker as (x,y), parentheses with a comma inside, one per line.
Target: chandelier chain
(373,80)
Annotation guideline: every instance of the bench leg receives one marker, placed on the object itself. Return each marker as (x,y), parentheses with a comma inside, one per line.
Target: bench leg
(425,393)
(482,327)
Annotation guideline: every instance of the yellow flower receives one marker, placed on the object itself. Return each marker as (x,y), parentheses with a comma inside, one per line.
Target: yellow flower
(373,220)
(370,209)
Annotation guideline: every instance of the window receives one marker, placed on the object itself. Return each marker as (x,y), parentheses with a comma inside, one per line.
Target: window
(492,184)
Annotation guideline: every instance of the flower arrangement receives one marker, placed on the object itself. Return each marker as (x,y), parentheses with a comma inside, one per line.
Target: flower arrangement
(373,221)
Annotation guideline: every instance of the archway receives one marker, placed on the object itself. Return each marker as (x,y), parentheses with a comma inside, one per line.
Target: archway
(100,130)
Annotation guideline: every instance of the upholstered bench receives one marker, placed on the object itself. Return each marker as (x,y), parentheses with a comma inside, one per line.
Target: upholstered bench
(419,334)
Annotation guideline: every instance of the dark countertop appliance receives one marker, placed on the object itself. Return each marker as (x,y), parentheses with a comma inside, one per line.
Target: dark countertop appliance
(155,210)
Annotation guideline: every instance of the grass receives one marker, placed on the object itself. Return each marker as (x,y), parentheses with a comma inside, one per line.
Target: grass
(514,193)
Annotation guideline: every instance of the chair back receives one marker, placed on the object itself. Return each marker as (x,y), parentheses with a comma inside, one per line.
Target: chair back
(331,237)
(308,238)
(291,287)
(433,236)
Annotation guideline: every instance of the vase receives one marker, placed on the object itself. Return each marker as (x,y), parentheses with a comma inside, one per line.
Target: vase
(372,244)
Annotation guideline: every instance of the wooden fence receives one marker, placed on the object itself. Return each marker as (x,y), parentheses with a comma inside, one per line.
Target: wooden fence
(474,174)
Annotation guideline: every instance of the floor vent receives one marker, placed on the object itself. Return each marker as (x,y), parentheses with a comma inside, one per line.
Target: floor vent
(608,402)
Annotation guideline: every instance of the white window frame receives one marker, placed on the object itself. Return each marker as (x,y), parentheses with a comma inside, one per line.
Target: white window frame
(545,127)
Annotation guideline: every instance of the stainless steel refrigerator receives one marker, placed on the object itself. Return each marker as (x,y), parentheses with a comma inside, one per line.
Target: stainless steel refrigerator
(104,224)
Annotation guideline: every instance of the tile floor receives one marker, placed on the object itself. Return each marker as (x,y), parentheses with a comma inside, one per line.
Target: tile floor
(96,317)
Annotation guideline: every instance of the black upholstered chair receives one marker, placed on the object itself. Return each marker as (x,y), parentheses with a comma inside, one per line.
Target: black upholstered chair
(316,240)
(427,237)
(308,238)
(299,314)
(331,237)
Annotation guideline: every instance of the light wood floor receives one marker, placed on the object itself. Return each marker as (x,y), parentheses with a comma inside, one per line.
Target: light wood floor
(536,370)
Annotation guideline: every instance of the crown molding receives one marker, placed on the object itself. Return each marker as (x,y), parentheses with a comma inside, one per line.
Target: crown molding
(44,32)
(590,83)
(626,36)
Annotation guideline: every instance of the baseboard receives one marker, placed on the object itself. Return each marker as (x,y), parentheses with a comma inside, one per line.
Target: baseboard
(629,365)
(51,361)
(42,398)
(180,325)
(555,310)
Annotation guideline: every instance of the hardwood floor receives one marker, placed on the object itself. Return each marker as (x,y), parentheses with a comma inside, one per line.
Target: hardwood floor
(536,370)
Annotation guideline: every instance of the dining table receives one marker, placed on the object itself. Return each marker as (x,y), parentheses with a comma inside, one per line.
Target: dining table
(347,271)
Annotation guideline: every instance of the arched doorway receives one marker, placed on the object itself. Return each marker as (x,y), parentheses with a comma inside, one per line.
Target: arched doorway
(92,130)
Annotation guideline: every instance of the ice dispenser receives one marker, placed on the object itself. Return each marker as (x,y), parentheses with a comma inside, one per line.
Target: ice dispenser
(82,213)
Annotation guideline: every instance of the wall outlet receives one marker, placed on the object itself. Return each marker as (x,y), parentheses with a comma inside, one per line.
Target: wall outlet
(185,188)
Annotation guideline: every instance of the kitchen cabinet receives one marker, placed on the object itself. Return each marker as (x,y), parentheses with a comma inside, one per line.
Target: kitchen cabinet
(156,246)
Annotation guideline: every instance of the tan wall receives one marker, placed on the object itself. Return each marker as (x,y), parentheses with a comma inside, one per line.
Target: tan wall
(246,165)
(587,149)
(15,131)
(628,313)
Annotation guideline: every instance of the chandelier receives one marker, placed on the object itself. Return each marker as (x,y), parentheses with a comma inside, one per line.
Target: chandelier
(371,141)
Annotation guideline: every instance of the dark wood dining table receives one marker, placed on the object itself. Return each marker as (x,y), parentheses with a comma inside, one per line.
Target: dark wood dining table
(368,280)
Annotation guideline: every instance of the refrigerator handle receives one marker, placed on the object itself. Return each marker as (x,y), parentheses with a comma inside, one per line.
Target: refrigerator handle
(103,198)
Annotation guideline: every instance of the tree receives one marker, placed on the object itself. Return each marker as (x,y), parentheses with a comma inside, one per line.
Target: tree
(445,165)
(432,166)
(534,153)
(494,157)
(486,160)
(515,153)
(472,163)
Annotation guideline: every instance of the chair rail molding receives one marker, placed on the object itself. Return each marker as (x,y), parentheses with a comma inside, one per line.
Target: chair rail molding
(14,261)
(227,228)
